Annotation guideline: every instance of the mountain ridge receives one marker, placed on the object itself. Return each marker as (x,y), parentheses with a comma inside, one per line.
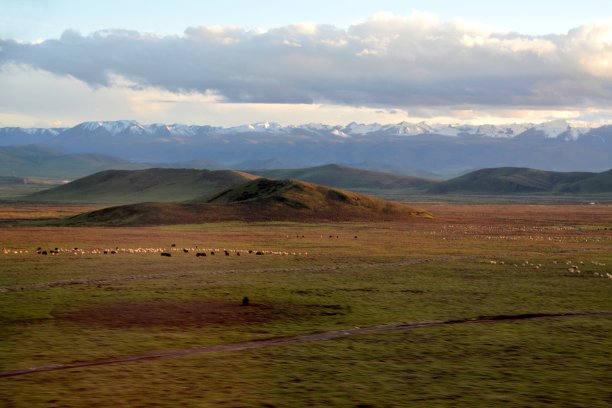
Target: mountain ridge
(438,149)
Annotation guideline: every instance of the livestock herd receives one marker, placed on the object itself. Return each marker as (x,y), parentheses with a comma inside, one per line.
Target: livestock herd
(572,267)
(164,252)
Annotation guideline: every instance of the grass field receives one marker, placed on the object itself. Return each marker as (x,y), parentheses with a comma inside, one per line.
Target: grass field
(470,260)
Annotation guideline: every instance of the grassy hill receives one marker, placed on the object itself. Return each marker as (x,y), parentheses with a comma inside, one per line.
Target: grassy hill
(337,176)
(257,200)
(133,186)
(508,180)
(598,183)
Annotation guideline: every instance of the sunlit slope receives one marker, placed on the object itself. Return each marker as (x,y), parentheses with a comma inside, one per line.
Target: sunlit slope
(258,200)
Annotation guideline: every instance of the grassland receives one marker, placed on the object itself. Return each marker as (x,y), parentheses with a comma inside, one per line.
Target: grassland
(470,260)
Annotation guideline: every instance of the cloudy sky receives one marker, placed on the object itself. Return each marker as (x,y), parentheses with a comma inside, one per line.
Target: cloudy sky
(236,62)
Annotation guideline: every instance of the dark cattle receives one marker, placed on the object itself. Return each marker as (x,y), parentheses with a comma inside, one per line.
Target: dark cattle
(173,245)
(113,252)
(185,250)
(212,252)
(200,254)
(250,251)
(105,252)
(226,253)
(238,253)
(165,254)
(44,253)
(258,253)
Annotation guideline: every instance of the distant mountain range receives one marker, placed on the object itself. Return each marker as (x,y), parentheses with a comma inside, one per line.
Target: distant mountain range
(411,149)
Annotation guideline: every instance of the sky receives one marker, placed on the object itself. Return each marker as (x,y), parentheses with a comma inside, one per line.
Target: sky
(235,62)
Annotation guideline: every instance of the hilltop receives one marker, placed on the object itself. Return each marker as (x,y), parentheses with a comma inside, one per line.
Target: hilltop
(257,200)
(133,186)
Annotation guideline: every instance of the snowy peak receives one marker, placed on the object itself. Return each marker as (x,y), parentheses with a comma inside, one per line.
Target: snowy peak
(112,127)
(559,129)
(255,127)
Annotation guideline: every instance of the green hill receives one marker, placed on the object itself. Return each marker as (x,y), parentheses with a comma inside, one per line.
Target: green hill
(132,186)
(508,180)
(598,183)
(258,200)
(337,176)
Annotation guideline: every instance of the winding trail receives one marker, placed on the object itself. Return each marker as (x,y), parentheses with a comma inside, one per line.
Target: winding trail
(280,341)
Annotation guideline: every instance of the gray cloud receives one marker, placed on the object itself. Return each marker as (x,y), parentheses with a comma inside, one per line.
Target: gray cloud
(387,61)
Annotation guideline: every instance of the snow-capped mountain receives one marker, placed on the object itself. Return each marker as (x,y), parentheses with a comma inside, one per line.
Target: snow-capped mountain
(556,145)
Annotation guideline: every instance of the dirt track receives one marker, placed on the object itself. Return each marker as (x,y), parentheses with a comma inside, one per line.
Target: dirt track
(291,340)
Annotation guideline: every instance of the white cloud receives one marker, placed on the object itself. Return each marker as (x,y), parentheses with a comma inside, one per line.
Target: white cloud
(388,61)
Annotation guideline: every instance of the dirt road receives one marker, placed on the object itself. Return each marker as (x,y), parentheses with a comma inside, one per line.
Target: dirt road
(280,341)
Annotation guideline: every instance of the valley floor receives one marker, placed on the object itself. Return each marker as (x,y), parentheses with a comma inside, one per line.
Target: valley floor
(104,293)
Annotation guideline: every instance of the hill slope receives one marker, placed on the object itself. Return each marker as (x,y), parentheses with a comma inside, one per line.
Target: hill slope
(132,186)
(257,200)
(334,175)
(36,161)
(598,183)
(508,180)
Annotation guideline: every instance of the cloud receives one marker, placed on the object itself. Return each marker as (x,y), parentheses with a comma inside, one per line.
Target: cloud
(388,62)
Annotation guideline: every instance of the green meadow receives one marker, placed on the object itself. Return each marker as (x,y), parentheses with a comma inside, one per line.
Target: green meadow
(82,305)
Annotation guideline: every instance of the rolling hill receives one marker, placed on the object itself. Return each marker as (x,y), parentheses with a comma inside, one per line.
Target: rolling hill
(334,175)
(133,186)
(257,200)
(509,180)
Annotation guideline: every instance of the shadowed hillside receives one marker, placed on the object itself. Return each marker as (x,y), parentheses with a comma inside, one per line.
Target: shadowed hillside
(508,180)
(132,186)
(334,175)
(257,200)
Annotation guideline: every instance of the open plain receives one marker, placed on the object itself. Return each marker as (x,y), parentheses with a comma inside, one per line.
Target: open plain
(345,314)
